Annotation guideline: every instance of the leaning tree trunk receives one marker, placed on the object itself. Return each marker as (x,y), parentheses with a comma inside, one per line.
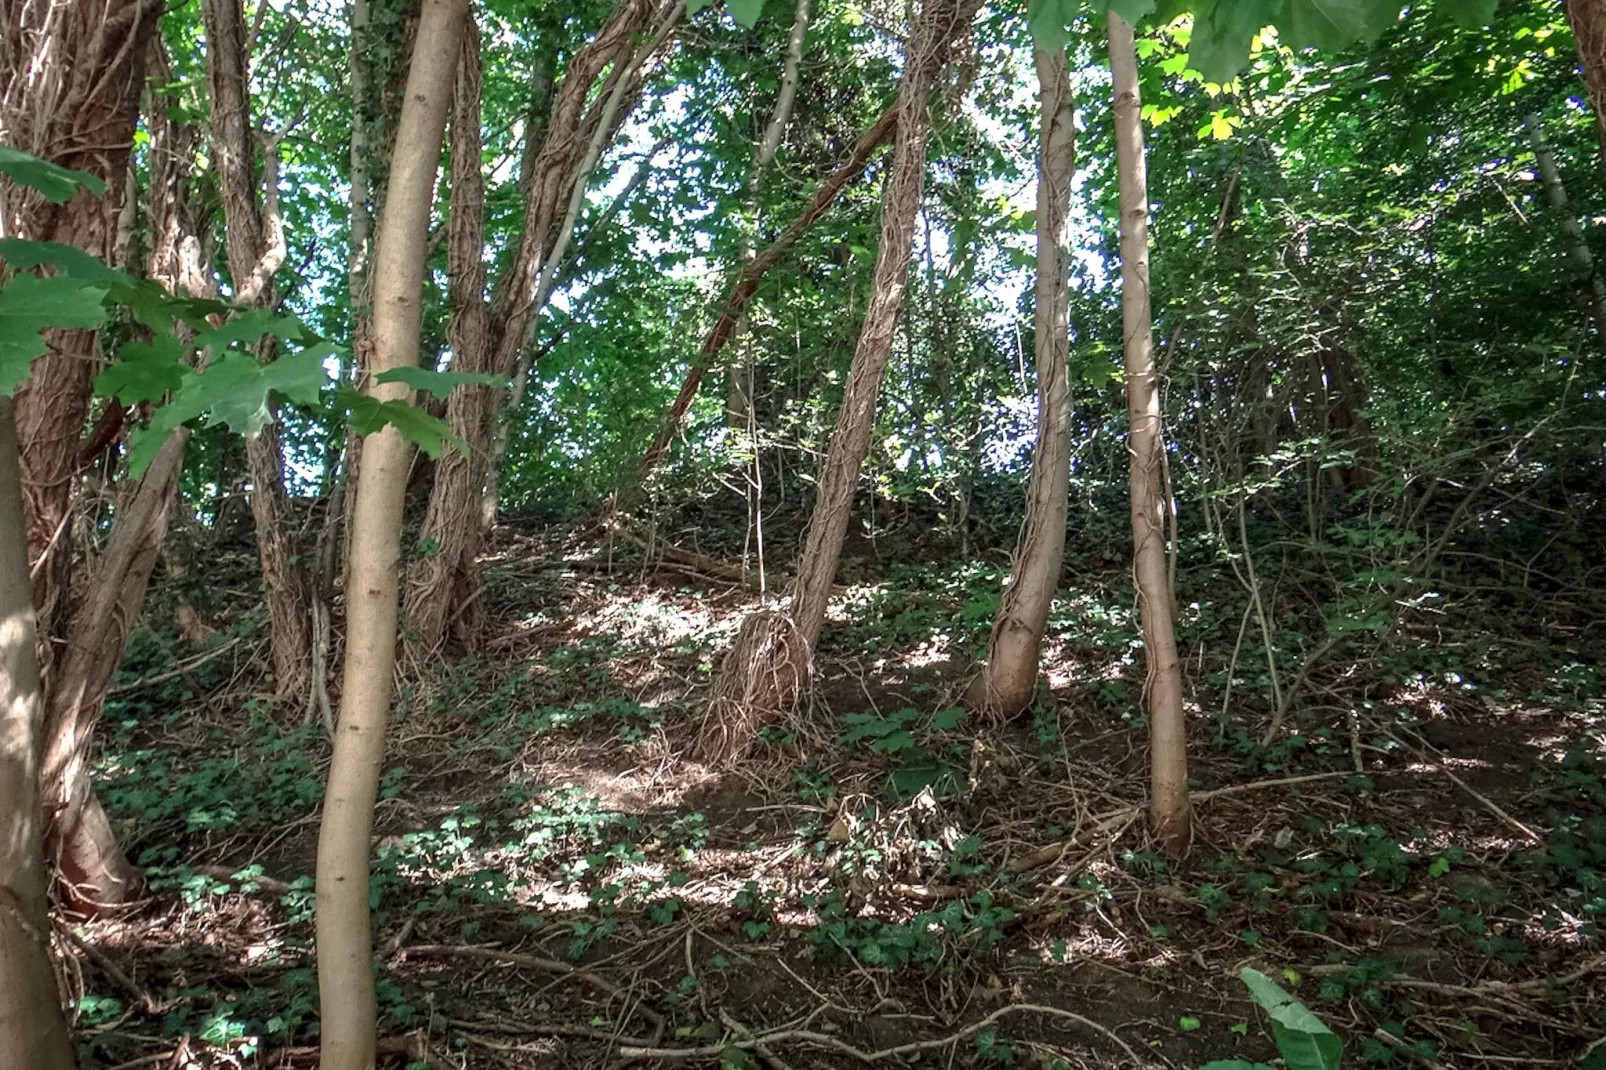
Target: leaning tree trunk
(1588,20)
(768,666)
(256,251)
(344,936)
(443,586)
(33,1030)
(1168,758)
(69,93)
(1009,680)
(731,315)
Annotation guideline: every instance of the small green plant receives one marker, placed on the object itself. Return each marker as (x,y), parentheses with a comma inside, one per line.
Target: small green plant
(1302,1040)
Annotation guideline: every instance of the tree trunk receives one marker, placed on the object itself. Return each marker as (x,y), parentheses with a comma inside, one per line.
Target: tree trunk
(443,586)
(554,149)
(725,325)
(1009,679)
(1168,758)
(344,937)
(769,664)
(623,81)
(1588,20)
(739,388)
(1572,232)
(256,251)
(33,1030)
(69,94)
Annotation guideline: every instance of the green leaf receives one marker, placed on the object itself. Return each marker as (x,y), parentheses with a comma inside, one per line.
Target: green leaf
(367,415)
(1049,22)
(57,184)
(22,254)
(1223,31)
(948,720)
(247,327)
(29,305)
(694,6)
(1189,1024)
(439,384)
(1473,14)
(1302,1040)
(145,371)
(746,12)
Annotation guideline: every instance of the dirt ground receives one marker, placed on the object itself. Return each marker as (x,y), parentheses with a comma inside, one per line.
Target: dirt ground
(558,888)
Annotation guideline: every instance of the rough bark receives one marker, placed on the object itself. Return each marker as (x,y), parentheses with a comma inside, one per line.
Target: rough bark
(769,664)
(256,250)
(1572,231)
(344,934)
(602,122)
(443,586)
(93,872)
(70,81)
(1588,20)
(1009,680)
(739,388)
(33,1030)
(1168,756)
(741,293)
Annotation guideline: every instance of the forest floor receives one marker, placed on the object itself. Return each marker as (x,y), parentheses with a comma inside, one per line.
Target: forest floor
(885,882)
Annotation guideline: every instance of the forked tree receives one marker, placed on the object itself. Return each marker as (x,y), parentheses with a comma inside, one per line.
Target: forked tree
(768,666)
(1009,679)
(344,935)
(1168,755)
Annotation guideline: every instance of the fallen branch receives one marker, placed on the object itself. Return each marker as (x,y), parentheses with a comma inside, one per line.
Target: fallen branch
(529,962)
(1119,819)
(806,1036)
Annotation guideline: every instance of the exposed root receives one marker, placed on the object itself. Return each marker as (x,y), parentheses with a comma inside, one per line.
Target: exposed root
(760,679)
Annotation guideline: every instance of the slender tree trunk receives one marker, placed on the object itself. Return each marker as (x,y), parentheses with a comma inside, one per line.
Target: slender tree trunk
(739,389)
(1168,759)
(1588,20)
(344,936)
(724,328)
(770,662)
(443,586)
(33,1030)
(1572,231)
(256,251)
(1009,680)
(69,93)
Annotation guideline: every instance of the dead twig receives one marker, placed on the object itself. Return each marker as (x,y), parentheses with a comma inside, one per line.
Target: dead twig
(824,1040)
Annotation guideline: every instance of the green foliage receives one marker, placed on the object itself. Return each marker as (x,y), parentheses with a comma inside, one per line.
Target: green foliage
(29,305)
(57,184)
(437,383)
(1304,1042)
(367,414)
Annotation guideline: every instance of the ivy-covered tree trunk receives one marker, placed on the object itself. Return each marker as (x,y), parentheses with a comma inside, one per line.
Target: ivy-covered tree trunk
(344,934)
(1168,756)
(443,588)
(33,1030)
(769,664)
(256,251)
(1588,20)
(1009,679)
(69,94)
(93,872)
